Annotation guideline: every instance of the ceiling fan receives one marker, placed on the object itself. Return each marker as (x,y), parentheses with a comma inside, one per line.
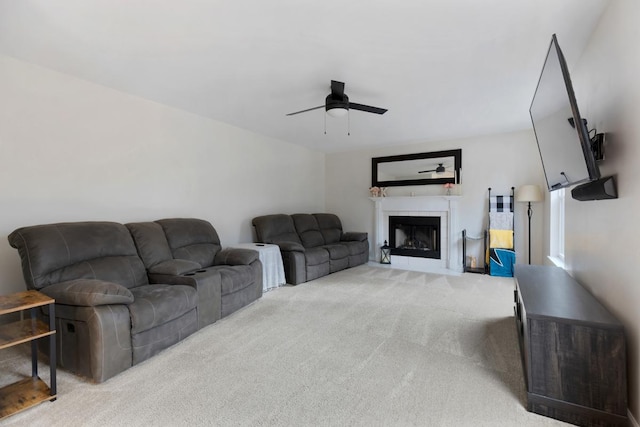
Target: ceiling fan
(439,169)
(337,103)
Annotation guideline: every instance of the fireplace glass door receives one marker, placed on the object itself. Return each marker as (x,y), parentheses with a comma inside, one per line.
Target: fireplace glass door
(416,236)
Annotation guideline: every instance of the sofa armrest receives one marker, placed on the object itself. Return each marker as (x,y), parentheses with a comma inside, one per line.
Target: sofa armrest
(290,246)
(354,236)
(174,267)
(235,256)
(88,293)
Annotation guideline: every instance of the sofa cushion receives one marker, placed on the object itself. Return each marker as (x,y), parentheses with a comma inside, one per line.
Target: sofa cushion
(150,342)
(276,228)
(337,251)
(154,305)
(88,293)
(234,278)
(127,271)
(308,230)
(151,242)
(53,253)
(330,227)
(202,253)
(192,239)
(316,256)
(357,247)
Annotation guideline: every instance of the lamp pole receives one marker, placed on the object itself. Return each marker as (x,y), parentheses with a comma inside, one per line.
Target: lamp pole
(528,194)
(529,213)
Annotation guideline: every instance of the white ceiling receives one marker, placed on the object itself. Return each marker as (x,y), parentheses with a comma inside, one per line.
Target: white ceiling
(444,69)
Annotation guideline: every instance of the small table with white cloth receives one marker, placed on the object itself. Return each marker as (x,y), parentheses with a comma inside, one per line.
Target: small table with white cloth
(272,268)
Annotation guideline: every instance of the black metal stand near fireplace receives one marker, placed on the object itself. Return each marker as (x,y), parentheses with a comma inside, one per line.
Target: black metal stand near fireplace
(415,236)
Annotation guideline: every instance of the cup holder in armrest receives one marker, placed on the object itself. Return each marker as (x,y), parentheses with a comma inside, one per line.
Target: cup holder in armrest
(201,271)
(190,274)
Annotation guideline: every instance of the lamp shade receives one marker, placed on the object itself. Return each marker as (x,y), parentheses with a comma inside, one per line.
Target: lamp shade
(529,193)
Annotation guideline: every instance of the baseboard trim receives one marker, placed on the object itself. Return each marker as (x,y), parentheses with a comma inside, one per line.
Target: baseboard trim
(410,267)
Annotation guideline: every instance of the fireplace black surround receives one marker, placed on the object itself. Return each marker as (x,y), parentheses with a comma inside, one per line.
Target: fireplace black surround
(415,236)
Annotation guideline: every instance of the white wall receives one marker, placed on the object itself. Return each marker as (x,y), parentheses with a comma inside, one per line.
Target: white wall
(72,150)
(602,250)
(496,161)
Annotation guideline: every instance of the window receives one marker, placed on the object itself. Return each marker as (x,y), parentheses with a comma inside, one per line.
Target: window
(556,226)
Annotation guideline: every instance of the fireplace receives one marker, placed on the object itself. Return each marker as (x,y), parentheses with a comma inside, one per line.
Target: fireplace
(444,207)
(415,236)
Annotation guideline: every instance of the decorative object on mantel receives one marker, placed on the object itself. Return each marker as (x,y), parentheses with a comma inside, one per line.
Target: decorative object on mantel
(528,194)
(378,191)
(385,254)
(448,186)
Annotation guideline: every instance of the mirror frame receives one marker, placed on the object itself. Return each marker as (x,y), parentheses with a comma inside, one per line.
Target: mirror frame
(375,161)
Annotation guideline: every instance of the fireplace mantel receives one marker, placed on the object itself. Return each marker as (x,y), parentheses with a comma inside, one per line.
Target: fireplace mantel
(444,206)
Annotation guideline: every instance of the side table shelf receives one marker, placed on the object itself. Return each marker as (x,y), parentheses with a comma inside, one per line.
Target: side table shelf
(32,390)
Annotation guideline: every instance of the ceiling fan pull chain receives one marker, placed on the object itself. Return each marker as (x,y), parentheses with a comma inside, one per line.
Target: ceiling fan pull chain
(325,123)
(348,123)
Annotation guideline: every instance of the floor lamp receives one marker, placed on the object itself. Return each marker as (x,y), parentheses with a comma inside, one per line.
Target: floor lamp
(529,194)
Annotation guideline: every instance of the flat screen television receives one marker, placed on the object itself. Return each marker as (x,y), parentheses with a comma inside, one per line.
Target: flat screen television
(562,135)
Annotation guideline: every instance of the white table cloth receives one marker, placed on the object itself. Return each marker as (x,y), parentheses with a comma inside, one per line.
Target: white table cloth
(272,268)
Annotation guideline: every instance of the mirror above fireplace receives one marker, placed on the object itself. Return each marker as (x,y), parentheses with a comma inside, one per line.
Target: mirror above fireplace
(437,167)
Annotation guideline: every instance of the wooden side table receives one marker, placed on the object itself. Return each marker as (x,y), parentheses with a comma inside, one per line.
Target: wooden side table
(25,393)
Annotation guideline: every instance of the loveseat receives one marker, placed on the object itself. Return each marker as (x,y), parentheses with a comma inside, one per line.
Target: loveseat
(109,314)
(312,245)
(188,251)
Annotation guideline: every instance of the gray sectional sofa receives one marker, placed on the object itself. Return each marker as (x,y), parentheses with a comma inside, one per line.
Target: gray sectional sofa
(312,245)
(188,251)
(118,304)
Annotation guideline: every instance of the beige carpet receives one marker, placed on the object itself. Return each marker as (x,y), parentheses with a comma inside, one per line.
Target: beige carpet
(367,346)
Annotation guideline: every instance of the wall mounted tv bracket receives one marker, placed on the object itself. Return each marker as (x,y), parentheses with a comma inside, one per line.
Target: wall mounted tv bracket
(597,140)
(597,146)
(599,189)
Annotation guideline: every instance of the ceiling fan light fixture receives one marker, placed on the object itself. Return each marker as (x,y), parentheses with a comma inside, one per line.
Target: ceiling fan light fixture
(337,104)
(337,111)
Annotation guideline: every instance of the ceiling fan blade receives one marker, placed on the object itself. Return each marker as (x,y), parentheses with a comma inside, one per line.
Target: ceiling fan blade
(337,89)
(367,108)
(304,111)
(432,170)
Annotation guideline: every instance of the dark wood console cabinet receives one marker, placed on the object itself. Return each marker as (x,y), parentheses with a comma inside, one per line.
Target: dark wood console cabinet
(573,350)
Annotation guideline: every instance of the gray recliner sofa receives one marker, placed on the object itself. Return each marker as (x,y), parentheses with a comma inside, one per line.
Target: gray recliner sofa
(188,251)
(119,302)
(312,245)
(108,316)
